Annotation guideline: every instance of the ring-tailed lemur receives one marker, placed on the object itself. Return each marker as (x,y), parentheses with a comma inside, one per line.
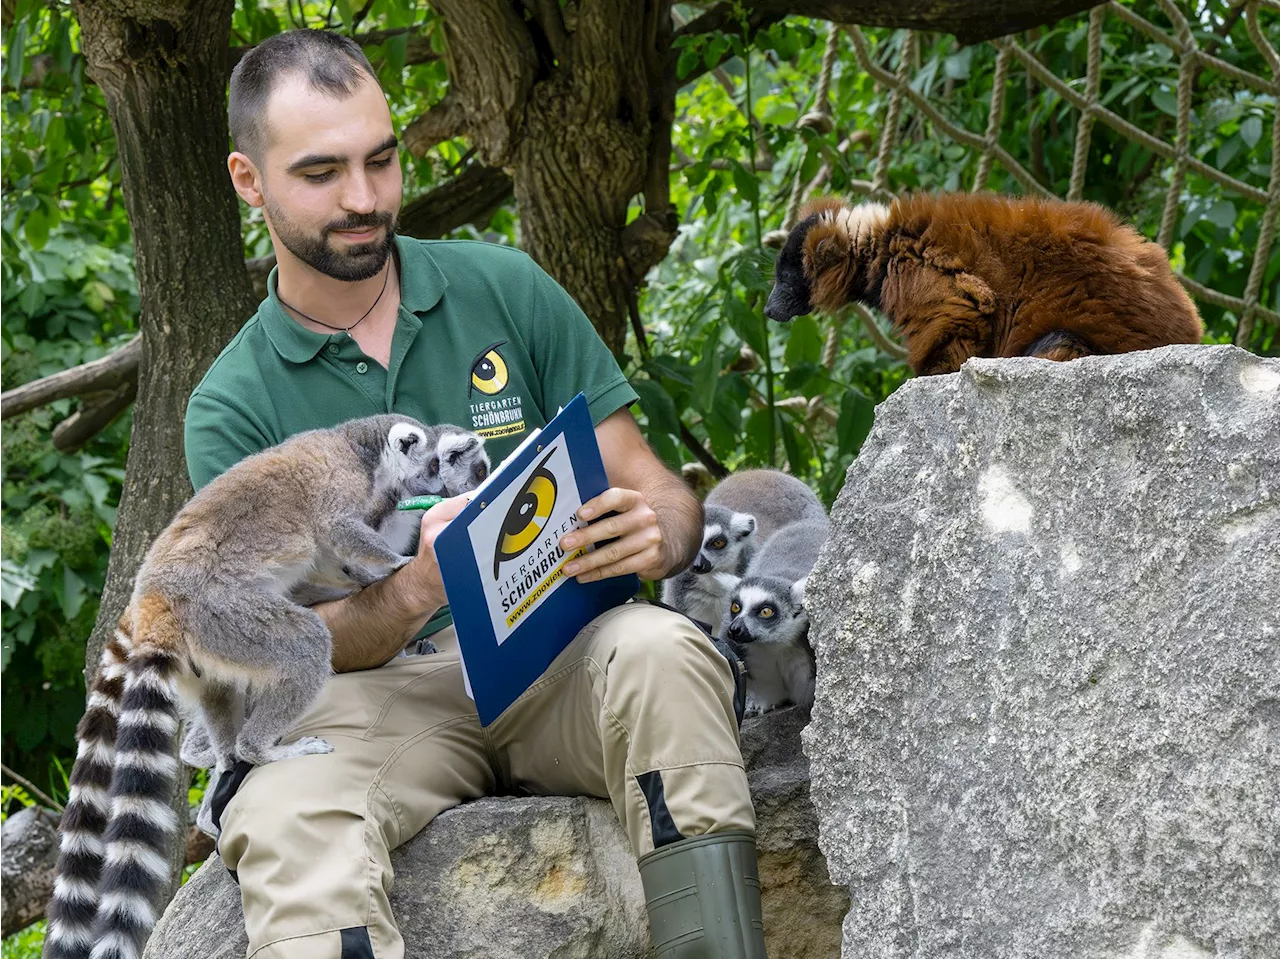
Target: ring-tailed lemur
(766,617)
(214,614)
(742,511)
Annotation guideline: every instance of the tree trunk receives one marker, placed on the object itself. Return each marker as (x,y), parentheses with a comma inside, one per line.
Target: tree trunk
(569,109)
(163,67)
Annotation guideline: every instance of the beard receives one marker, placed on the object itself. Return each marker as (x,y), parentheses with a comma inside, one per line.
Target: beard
(355,263)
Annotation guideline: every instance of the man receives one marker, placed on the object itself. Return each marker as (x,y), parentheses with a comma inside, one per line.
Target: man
(640,708)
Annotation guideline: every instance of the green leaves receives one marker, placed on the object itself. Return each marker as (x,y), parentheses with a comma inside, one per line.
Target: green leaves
(1251,130)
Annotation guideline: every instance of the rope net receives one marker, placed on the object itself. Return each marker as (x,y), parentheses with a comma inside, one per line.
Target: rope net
(1087,97)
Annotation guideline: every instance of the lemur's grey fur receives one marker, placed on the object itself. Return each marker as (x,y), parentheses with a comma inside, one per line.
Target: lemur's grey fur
(742,511)
(766,617)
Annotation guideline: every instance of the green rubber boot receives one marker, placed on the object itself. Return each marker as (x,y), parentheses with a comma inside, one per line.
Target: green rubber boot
(703,896)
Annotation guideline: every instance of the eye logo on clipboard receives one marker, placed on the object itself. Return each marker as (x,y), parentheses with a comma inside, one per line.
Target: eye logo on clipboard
(527,516)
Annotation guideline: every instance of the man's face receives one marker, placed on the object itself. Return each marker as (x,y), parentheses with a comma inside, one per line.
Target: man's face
(331,182)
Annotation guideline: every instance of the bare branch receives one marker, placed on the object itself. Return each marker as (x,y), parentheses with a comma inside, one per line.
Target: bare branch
(968,21)
(470,197)
(107,373)
(96,412)
(717,469)
(32,788)
(444,121)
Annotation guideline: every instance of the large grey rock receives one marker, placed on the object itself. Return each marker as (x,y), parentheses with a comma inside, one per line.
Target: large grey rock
(521,878)
(29,840)
(1048,635)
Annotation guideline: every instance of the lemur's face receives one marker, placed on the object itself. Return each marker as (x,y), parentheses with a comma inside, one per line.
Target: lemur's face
(725,534)
(441,460)
(461,463)
(791,292)
(765,609)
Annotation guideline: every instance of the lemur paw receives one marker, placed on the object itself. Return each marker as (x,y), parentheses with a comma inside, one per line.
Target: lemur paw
(308,746)
(305,746)
(204,817)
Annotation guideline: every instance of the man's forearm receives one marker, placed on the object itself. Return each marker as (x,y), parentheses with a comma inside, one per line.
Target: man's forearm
(679,517)
(371,626)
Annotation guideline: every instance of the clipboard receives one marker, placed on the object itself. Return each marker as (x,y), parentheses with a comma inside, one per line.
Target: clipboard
(513,608)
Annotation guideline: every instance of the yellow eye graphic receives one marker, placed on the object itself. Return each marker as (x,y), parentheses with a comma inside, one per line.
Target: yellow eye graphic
(766,612)
(719,543)
(735,608)
(489,372)
(527,516)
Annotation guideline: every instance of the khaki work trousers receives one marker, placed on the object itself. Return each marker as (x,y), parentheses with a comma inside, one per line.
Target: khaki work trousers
(639,709)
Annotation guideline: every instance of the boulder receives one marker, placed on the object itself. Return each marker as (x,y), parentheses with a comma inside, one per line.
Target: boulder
(527,877)
(1047,626)
(29,839)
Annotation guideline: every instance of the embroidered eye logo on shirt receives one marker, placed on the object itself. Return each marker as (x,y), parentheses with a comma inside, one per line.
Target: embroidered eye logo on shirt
(489,371)
(527,516)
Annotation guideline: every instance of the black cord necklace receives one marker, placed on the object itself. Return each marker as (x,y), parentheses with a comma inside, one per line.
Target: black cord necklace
(343,329)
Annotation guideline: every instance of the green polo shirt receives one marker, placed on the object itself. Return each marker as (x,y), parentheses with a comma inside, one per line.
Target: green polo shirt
(484,339)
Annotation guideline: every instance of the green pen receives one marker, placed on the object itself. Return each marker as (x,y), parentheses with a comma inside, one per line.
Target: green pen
(419,502)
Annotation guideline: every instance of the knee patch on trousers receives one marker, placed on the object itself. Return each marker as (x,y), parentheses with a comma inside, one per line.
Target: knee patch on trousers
(356,943)
(661,824)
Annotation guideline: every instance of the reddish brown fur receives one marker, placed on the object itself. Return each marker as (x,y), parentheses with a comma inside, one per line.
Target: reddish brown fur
(965,275)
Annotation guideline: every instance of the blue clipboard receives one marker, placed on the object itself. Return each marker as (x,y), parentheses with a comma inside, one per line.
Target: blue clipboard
(513,608)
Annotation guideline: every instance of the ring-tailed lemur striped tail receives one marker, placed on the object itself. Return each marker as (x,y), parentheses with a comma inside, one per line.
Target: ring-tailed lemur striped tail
(214,611)
(84,820)
(136,868)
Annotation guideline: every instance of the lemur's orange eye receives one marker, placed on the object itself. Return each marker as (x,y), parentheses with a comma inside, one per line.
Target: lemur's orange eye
(719,543)
(767,612)
(735,608)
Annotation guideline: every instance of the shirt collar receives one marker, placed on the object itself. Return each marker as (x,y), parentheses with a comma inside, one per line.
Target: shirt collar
(422,284)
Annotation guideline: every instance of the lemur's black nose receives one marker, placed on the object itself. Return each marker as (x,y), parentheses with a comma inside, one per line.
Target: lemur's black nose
(738,632)
(701,565)
(408,442)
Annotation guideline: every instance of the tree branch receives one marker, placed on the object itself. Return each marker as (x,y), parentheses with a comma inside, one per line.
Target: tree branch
(106,373)
(96,412)
(968,21)
(444,121)
(470,197)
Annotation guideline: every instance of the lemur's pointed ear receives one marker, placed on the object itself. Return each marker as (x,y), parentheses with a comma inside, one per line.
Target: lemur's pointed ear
(742,524)
(797,592)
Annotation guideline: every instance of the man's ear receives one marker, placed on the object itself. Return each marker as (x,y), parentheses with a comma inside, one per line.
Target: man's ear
(245,179)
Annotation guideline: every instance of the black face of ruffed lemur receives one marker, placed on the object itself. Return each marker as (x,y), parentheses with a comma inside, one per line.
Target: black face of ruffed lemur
(790,296)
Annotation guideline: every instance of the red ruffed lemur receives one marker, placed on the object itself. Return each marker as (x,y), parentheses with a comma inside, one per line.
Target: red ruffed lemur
(964,274)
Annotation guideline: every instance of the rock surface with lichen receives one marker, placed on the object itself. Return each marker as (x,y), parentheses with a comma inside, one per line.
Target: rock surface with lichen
(1047,625)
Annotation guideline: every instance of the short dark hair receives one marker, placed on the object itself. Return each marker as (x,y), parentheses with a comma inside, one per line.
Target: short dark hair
(331,63)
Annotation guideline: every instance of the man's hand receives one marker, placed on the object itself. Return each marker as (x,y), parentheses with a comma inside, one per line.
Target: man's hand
(419,580)
(639,545)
